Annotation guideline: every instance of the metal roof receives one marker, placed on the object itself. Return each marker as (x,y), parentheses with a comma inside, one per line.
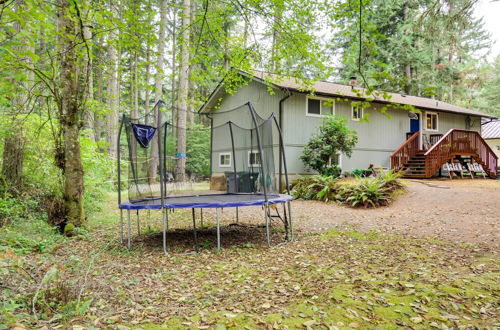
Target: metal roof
(491,130)
(340,90)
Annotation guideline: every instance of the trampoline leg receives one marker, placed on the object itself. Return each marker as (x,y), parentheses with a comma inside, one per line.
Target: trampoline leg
(266,210)
(129,230)
(138,224)
(121,226)
(237,215)
(194,228)
(167,216)
(165,221)
(290,219)
(217,217)
(201,217)
(285,221)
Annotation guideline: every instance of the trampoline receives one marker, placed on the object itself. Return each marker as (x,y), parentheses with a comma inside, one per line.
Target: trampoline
(207,201)
(156,176)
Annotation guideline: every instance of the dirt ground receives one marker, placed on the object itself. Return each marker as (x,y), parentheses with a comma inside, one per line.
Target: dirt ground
(458,210)
(454,210)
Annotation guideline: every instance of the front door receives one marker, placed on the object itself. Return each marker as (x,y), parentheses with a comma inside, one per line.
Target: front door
(415,124)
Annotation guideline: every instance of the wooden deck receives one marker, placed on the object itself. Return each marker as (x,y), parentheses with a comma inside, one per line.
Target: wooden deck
(425,163)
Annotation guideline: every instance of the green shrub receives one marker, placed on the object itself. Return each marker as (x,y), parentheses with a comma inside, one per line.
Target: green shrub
(390,180)
(315,187)
(367,192)
(28,235)
(334,138)
(363,192)
(99,172)
(10,209)
(198,150)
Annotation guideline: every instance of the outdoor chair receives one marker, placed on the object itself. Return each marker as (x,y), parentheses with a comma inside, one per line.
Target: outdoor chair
(456,168)
(476,169)
(450,168)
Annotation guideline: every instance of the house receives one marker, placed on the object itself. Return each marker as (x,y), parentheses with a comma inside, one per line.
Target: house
(391,137)
(491,134)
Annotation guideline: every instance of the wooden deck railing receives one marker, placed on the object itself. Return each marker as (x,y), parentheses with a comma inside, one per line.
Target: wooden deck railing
(464,143)
(407,150)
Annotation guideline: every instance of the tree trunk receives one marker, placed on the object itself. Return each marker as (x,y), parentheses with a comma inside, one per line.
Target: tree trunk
(173,94)
(147,95)
(407,87)
(112,93)
(88,120)
(98,123)
(134,92)
(13,153)
(99,97)
(69,100)
(13,157)
(158,88)
(183,93)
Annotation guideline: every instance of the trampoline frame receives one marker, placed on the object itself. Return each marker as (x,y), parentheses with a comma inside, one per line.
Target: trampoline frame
(164,207)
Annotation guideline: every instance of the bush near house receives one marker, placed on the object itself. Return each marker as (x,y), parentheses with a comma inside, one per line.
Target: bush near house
(362,192)
(334,138)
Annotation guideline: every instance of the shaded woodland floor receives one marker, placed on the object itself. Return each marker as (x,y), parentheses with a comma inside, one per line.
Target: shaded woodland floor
(332,276)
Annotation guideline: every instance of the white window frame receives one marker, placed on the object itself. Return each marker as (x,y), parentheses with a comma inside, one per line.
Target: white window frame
(340,161)
(437,121)
(230,159)
(320,106)
(249,163)
(360,111)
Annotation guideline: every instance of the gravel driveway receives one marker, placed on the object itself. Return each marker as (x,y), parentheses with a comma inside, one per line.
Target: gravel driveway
(459,210)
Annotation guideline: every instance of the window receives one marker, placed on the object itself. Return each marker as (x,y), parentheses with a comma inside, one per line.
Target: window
(356,112)
(334,160)
(319,107)
(431,121)
(224,159)
(254,158)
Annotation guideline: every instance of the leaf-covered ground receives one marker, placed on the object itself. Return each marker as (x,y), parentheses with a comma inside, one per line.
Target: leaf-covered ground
(336,279)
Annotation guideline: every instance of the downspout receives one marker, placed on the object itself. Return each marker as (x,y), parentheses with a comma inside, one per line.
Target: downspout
(280,119)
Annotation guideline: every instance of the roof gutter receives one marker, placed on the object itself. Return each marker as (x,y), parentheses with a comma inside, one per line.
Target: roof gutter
(280,121)
(483,115)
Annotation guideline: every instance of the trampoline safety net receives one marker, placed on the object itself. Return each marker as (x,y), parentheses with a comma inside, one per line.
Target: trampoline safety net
(237,145)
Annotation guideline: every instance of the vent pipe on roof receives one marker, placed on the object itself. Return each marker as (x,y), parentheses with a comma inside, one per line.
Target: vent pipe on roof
(353,82)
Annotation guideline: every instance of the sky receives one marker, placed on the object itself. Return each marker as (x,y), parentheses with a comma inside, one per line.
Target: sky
(490,11)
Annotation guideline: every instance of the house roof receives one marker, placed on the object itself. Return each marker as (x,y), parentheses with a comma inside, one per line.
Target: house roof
(339,90)
(491,130)
(334,89)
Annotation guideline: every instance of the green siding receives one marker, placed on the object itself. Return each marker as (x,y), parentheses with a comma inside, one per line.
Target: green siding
(264,104)
(377,138)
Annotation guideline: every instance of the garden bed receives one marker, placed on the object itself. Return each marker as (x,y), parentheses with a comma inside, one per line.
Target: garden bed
(356,192)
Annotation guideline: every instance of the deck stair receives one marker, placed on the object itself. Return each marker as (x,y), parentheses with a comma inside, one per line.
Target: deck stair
(415,167)
(425,163)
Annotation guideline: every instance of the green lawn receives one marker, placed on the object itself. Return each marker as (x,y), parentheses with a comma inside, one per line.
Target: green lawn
(333,280)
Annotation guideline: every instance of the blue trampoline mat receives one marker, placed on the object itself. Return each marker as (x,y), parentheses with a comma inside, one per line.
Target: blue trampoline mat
(206,201)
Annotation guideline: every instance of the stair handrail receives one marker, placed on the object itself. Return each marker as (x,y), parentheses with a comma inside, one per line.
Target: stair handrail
(398,163)
(444,137)
(489,159)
